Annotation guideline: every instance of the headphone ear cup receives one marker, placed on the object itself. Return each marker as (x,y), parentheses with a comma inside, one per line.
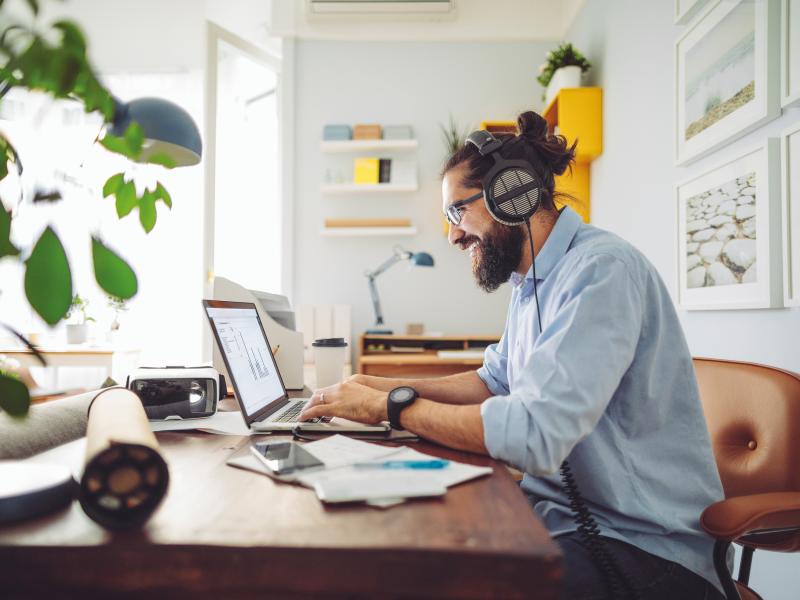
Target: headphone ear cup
(513,195)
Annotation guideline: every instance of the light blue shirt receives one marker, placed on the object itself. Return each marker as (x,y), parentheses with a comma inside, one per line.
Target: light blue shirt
(609,385)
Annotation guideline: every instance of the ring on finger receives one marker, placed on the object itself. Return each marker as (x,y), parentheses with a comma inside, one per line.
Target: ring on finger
(322,398)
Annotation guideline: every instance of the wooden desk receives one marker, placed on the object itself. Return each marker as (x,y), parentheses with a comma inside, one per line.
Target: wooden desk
(376,356)
(227,533)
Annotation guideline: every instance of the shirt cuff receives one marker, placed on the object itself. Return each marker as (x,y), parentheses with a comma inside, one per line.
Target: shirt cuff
(503,440)
(495,387)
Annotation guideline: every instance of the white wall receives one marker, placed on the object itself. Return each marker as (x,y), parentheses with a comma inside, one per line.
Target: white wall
(631,46)
(418,83)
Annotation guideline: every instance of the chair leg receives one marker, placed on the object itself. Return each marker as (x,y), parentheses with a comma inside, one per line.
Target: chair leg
(721,566)
(744,565)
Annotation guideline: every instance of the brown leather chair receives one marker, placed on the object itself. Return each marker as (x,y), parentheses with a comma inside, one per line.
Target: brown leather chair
(753,416)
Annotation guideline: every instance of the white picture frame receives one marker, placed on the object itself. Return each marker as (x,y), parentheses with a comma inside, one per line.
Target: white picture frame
(726,75)
(790,47)
(790,207)
(685,10)
(738,248)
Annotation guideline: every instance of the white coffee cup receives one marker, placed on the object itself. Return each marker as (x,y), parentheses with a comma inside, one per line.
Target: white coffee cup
(329,358)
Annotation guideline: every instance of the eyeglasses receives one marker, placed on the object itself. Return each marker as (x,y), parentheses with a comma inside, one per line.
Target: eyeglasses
(454,211)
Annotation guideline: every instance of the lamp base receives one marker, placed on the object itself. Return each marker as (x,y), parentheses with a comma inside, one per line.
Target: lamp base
(380,331)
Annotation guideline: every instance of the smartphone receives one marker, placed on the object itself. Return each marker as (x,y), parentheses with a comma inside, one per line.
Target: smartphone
(283,458)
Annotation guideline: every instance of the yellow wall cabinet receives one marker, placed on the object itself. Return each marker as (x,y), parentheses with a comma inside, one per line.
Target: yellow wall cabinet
(577,114)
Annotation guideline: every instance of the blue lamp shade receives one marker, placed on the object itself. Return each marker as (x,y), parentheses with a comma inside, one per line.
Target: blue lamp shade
(167,128)
(422,259)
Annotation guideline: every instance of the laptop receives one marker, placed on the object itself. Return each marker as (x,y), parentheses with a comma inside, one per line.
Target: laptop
(257,382)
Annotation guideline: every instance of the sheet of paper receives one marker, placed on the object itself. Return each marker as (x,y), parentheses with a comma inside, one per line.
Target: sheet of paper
(223,423)
(339,450)
(357,484)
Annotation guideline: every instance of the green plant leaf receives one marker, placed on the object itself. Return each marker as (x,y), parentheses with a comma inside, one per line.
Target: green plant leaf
(147,211)
(115,144)
(126,199)
(163,159)
(113,184)
(72,36)
(129,145)
(135,138)
(14,396)
(162,194)
(6,247)
(112,273)
(48,281)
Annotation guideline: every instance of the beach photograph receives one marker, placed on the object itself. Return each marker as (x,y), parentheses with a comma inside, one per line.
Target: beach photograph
(720,71)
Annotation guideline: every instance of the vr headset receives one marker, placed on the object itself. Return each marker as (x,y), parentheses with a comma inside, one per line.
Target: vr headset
(177,392)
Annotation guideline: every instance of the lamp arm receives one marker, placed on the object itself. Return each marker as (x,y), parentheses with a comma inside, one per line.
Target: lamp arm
(388,263)
(376,301)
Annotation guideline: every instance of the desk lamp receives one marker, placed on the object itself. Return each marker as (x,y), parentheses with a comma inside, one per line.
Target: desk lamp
(167,128)
(418,259)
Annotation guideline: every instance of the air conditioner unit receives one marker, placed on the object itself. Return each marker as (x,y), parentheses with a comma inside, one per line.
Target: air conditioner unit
(379,7)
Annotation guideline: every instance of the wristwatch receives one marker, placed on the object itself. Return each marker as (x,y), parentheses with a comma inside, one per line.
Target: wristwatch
(399,399)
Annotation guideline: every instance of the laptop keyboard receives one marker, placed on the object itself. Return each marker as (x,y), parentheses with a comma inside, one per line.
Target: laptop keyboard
(291,415)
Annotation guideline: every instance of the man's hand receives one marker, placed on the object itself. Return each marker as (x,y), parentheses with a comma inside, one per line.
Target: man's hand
(348,400)
(385,384)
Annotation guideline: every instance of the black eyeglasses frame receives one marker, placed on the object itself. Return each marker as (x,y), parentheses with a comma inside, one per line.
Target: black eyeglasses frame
(453,212)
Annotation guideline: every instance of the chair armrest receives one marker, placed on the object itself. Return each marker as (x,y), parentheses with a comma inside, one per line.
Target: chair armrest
(734,517)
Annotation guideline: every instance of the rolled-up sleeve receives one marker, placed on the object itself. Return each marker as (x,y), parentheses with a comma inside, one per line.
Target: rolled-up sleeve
(494,371)
(571,373)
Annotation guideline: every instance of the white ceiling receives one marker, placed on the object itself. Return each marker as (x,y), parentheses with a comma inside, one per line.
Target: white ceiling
(472,20)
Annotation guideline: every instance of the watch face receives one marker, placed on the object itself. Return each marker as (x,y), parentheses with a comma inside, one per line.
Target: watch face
(402,394)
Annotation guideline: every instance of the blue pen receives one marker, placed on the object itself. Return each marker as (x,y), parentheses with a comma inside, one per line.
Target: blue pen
(405,464)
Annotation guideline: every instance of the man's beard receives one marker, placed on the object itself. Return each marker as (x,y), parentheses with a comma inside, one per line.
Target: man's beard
(498,254)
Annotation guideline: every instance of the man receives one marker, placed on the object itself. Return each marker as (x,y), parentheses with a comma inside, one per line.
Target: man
(606,383)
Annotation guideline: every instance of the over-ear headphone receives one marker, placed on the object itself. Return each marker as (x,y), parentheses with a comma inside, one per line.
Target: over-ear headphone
(511,189)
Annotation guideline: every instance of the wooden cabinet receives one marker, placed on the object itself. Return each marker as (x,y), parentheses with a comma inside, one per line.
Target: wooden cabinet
(421,356)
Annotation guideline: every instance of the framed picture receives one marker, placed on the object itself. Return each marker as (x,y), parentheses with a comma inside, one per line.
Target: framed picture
(790,203)
(790,53)
(685,10)
(729,234)
(727,75)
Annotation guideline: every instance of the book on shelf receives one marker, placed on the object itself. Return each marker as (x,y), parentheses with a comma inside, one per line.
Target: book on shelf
(469,353)
(366,170)
(385,170)
(367,222)
(409,349)
(366,132)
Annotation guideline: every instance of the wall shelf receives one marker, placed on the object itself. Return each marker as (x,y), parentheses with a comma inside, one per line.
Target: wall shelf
(366,231)
(367,145)
(371,188)
(578,115)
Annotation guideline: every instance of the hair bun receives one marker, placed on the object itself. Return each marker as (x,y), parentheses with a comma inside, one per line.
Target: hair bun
(532,125)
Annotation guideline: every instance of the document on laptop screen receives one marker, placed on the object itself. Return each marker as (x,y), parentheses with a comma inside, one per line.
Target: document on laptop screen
(249,357)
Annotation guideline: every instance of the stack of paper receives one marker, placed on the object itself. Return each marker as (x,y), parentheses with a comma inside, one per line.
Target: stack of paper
(341,481)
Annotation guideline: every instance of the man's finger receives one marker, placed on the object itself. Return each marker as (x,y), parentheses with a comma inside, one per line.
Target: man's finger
(319,410)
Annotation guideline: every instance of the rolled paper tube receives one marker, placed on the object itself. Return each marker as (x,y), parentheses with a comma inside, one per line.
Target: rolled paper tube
(125,477)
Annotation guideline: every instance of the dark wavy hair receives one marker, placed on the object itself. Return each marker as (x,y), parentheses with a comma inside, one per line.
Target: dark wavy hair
(550,155)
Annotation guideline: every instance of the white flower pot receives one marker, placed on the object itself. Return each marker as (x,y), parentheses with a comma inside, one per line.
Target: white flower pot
(77,334)
(565,77)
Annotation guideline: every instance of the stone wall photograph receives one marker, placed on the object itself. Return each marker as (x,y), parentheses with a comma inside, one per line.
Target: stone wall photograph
(721,234)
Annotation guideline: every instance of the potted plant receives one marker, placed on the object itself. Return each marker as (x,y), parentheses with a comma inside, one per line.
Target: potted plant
(77,331)
(453,136)
(118,305)
(562,68)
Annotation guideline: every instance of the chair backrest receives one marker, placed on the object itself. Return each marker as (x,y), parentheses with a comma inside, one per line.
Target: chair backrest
(753,416)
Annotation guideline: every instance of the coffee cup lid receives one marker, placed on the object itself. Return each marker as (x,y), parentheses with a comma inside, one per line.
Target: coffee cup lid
(329,343)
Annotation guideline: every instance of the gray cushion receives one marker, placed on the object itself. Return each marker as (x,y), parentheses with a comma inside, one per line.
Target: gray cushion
(47,425)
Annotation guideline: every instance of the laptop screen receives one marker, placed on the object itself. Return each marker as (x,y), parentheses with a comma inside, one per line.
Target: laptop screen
(248,357)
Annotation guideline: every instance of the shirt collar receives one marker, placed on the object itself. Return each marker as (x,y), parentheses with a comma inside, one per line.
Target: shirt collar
(554,248)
